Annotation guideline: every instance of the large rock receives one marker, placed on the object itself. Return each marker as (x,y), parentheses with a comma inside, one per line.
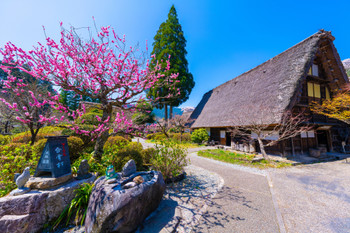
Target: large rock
(29,212)
(129,168)
(114,209)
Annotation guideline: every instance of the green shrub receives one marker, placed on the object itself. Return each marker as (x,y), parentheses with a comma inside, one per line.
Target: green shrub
(5,139)
(25,137)
(86,138)
(185,137)
(160,137)
(200,136)
(136,146)
(14,158)
(147,155)
(38,147)
(173,130)
(115,142)
(170,159)
(89,118)
(120,156)
(95,111)
(51,130)
(150,136)
(75,145)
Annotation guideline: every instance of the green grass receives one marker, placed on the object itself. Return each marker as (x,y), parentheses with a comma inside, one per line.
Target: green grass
(184,145)
(241,159)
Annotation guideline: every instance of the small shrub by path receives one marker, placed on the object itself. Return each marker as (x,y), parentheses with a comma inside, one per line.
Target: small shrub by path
(241,159)
(185,145)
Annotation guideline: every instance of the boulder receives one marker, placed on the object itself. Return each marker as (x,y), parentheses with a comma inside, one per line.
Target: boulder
(115,209)
(129,168)
(83,171)
(31,211)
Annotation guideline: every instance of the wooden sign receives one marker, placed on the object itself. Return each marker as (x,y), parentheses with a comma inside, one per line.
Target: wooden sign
(54,161)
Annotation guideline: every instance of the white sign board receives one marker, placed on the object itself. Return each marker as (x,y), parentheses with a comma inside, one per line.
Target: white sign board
(222,134)
(310,134)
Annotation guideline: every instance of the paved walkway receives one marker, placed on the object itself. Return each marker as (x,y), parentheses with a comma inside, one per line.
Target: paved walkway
(306,198)
(315,197)
(243,205)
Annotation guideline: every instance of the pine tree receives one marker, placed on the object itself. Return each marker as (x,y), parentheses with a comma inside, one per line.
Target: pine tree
(170,42)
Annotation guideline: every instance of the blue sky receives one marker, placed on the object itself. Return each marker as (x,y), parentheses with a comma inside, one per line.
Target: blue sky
(224,38)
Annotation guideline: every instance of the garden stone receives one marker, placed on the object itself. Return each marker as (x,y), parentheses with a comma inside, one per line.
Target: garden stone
(129,168)
(138,180)
(257,159)
(129,185)
(47,183)
(112,181)
(83,171)
(113,209)
(23,178)
(31,211)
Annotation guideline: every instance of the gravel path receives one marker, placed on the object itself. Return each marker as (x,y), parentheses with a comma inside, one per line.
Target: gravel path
(314,198)
(184,202)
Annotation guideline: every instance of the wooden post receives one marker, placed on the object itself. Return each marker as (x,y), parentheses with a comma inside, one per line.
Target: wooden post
(293,151)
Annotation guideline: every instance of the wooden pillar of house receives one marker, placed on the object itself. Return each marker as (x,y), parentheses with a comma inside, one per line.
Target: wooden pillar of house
(292,144)
(329,140)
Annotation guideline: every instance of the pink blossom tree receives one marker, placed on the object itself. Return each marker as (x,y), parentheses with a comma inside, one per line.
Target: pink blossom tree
(27,100)
(103,68)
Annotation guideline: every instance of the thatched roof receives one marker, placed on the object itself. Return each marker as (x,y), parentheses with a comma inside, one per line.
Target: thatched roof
(272,85)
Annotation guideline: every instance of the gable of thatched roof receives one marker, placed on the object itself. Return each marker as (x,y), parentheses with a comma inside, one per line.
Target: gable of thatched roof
(271,85)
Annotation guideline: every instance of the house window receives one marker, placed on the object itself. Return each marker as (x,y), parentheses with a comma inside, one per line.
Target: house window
(208,131)
(313,70)
(313,90)
(307,134)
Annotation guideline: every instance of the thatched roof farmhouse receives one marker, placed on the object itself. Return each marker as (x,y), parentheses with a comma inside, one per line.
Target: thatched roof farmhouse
(309,71)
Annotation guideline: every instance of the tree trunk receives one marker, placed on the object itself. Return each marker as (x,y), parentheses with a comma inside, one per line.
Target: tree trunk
(166,114)
(262,148)
(171,112)
(7,127)
(33,136)
(101,140)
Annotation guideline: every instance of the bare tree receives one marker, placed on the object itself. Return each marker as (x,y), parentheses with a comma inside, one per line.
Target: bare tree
(262,126)
(178,122)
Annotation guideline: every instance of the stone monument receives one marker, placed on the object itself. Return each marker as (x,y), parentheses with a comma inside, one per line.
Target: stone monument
(54,164)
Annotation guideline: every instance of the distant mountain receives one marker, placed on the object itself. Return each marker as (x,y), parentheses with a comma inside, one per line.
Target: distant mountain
(176,111)
(346,64)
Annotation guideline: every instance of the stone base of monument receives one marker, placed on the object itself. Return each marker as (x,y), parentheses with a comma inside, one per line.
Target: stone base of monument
(31,211)
(47,182)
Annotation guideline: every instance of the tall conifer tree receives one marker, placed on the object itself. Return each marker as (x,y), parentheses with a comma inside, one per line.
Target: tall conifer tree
(170,42)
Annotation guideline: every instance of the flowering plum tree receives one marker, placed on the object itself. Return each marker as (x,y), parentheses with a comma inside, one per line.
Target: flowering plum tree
(28,100)
(103,68)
